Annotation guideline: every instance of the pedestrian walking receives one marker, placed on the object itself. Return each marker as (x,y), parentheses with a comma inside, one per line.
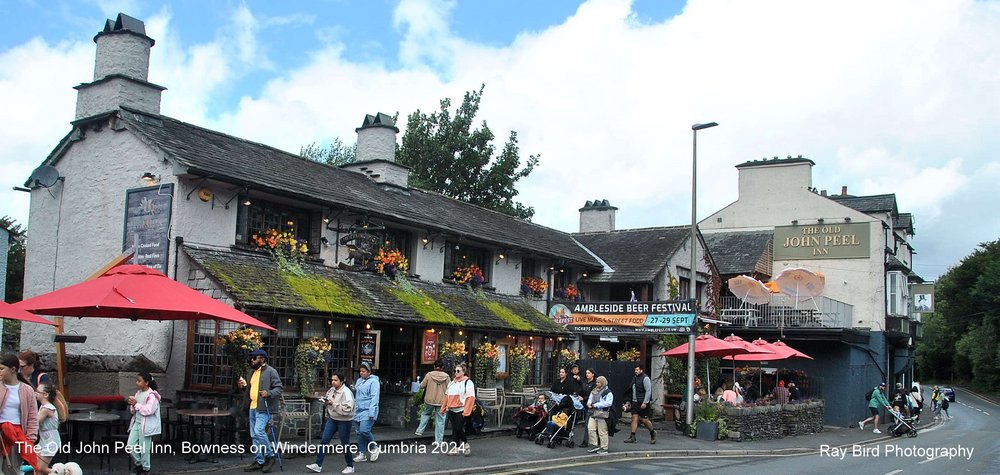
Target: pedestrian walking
(936,402)
(145,409)
(917,402)
(642,391)
(876,402)
(18,413)
(263,398)
(599,402)
(52,411)
(459,401)
(338,405)
(367,392)
(435,385)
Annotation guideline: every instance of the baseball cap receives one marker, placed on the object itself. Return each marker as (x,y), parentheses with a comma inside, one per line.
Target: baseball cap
(256,353)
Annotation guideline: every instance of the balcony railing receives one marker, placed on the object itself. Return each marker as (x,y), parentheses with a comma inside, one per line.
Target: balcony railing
(784,311)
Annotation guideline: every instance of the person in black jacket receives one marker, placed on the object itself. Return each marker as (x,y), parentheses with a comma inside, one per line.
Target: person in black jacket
(588,383)
(564,389)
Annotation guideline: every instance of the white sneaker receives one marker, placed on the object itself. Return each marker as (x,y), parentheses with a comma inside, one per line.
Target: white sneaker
(876,431)
(861,425)
(347,470)
(314,467)
(360,458)
(373,455)
(595,449)
(418,433)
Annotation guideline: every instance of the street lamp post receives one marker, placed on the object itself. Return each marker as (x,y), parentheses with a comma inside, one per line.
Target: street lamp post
(694,265)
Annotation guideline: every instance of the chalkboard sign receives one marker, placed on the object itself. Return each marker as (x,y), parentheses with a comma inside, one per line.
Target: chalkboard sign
(147,225)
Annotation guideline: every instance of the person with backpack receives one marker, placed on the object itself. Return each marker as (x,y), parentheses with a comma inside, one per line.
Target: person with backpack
(458,403)
(435,384)
(599,403)
(944,406)
(876,400)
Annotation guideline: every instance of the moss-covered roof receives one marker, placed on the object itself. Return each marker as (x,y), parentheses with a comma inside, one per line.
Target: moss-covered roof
(254,281)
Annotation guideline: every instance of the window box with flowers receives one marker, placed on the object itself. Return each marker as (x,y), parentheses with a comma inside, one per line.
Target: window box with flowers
(390,262)
(521,359)
(570,292)
(237,345)
(310,355)
(533,287)
(470,275)
(286,250)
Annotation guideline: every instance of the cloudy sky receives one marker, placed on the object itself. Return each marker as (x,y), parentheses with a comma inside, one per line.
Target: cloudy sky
(885,97)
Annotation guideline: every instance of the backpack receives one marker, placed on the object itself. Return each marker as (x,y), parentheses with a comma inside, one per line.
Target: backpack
(614,416)
(476,421)
(868,395)
(944,403)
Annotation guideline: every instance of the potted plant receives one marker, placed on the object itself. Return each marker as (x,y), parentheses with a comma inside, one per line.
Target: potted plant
(570,292)
(533,287)
(709,423)
(470,275)
(286,250)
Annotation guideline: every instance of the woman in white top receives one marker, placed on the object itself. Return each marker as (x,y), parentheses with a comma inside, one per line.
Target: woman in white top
(18,411)
(458,404)
(339,405)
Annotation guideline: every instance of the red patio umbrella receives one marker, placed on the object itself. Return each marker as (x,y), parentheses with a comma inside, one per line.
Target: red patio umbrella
(792,352)
(706,345)
(137,293)
(769,353)
(9,311)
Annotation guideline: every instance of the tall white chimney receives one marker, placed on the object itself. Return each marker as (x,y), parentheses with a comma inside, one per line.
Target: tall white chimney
(597,216)
(121,70)
(376,156)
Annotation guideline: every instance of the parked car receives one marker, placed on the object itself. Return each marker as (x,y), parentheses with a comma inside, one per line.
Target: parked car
(948,393)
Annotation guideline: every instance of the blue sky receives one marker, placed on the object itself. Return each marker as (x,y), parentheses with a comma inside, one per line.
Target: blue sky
(896,96)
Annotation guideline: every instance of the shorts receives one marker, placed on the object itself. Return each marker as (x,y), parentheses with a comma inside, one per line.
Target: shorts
(636,409)
(873,410)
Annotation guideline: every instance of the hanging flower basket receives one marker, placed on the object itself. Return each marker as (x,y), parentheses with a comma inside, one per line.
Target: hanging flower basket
(631,354)
(309,355)
(390,262)
(521,357)
(237,345)
(286,250)
(570,292)
(599,353)
(470,275)
(487,361)
(533,287)
(452,353)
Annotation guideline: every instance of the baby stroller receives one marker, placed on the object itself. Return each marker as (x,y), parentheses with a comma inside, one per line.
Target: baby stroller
(530,420)
(902,424)
(558,430)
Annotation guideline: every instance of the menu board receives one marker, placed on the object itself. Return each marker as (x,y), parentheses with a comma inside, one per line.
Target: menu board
(147,225)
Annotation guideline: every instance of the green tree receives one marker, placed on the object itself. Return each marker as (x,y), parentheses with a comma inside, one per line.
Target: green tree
(336,154)
(447,155)
(966,324)
(15,259)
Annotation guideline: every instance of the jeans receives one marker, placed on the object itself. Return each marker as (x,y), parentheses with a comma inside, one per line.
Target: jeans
(344,429)
(425,417)
(365,436)
(258,434)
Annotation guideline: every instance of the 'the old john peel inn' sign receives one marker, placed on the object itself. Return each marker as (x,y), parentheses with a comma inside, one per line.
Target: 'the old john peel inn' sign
(822,241)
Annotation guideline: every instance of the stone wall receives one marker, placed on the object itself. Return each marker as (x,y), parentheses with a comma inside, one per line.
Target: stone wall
(775,422)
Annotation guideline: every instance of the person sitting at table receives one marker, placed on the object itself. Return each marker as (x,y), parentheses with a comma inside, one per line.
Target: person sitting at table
(18,412)
(145,407)
(51,413)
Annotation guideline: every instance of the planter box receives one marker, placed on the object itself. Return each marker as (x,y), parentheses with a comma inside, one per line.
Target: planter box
(707,430)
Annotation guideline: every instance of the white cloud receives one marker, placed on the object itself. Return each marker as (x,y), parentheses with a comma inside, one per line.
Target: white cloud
(886,97)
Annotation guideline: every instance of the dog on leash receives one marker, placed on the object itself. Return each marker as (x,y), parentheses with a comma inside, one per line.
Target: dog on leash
(69,468)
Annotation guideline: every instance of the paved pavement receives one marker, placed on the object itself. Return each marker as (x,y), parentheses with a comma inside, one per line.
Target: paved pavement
(495,451)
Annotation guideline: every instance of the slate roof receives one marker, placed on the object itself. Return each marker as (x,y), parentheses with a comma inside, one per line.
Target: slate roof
(636,255)
(213,154)
(738,252)
(254,281)
(869,204)
(903,221)
(774,161)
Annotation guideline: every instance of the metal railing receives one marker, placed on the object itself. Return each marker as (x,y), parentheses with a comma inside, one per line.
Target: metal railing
(784,311)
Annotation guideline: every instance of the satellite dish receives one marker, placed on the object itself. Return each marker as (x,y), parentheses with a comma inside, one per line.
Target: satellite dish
(44,176)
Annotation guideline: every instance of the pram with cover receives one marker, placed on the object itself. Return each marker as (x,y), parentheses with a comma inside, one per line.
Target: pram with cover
(902,424)
(559,430)
(531,420)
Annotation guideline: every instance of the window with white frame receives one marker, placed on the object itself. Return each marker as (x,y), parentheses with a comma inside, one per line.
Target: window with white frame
(895,291)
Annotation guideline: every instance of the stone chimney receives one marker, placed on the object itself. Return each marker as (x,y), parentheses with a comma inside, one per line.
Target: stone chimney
(121,70)
(597,217)
(376,156)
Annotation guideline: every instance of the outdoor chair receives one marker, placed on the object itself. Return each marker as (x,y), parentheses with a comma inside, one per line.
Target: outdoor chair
(295,409)
(490,400)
